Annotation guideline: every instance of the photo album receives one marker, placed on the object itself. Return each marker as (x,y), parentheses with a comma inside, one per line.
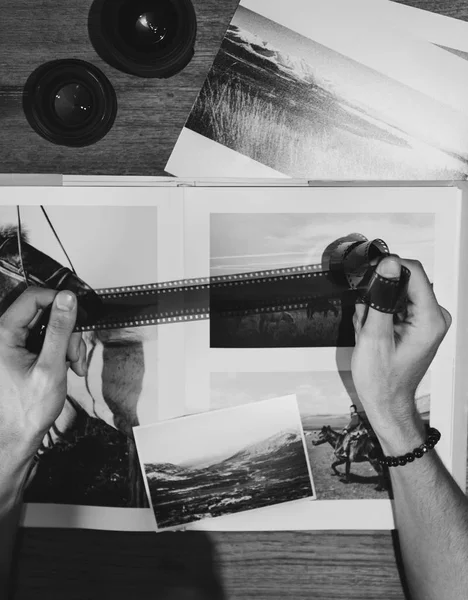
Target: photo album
(236,423)
(341,90)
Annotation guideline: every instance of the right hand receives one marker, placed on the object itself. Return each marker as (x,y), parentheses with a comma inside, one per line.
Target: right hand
(389,360)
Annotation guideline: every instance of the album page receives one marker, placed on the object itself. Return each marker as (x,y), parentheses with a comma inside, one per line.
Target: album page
(307,352)
(88,473)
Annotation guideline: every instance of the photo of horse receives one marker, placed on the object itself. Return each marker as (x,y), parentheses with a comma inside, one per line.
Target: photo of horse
(248,242)
(341,447)
(89,455)
(304,109)
(238,459)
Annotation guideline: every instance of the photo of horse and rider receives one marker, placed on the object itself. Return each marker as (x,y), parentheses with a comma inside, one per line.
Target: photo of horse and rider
(341,445)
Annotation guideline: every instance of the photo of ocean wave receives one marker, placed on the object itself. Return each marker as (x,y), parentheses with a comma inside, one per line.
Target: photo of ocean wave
(305,110)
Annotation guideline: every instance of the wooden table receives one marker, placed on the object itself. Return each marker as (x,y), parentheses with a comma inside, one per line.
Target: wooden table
(58,564)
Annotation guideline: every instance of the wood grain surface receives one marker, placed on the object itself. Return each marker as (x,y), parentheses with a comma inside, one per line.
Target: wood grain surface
(88,565)
(192,566)
(151,112)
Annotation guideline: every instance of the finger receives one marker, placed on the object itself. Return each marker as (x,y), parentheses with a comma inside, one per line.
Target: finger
(447,317)
(420,292)
(17,318)
(379,323)
(83,357)
(80,367)
(59,330)
(73,352)
(359,316)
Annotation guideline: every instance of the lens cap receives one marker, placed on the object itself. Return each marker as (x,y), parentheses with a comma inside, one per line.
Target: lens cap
(70,103)
(147,38)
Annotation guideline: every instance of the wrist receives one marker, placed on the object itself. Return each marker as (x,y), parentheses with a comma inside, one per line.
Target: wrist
(399,432)
(13,479)
(15,467)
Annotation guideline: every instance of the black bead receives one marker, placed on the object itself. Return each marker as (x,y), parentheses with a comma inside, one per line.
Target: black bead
(402,461)
(424,448)
(409,457)
(418,452)
(394,462)
(430,444)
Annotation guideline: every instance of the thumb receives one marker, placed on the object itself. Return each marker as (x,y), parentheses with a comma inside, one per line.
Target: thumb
(379,323)
(59,330)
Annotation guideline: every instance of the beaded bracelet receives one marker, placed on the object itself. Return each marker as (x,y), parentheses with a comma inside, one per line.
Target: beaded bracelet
(433,436)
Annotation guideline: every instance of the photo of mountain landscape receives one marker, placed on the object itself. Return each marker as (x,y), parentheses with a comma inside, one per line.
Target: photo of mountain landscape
(324,399)
(225,462)
(305,110)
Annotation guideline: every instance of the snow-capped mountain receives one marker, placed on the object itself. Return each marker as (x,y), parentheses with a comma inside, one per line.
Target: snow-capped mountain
(268,447)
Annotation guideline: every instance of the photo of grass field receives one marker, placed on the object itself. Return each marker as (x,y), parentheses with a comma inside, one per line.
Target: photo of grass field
(248,242)
(324,399)
(320,326)
(305,110)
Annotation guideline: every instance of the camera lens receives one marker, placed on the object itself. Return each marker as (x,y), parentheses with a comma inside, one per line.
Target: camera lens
(147,38)
(149,30)
(73,104)
(69,102)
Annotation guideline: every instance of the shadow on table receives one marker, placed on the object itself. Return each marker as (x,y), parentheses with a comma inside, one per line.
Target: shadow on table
(77,564)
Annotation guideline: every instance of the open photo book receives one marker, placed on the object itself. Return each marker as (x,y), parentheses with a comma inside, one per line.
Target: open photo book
(237,425)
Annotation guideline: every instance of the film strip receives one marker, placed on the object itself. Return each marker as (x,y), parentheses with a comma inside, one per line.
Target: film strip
(346,275)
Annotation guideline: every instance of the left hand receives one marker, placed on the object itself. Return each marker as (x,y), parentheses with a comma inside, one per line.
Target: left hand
(33,388)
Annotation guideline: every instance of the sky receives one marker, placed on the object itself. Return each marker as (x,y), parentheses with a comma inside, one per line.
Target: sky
(242,242)
(109,246)
(216,434)
(318,392)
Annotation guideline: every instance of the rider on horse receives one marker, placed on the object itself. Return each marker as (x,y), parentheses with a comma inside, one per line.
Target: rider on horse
(353,430)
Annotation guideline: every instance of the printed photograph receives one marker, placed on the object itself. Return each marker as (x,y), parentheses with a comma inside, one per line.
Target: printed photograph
(225,461)
(248,242)
(340,442)
(89,456)
(305,110)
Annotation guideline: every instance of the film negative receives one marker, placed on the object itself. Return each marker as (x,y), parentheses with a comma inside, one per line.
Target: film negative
(346,275)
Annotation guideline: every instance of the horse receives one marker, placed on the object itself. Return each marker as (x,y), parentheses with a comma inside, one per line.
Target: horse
(272,320)
(322,306)
(361,449)
(113,385)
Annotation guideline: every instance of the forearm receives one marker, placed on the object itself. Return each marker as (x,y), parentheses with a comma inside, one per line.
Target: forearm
(431,514)
(13,478)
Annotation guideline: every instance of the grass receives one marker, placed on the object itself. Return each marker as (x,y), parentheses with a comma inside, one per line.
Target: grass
(319,331)
(304,137)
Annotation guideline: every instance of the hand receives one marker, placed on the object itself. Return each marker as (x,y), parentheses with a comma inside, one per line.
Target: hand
(391,355)
(33,388)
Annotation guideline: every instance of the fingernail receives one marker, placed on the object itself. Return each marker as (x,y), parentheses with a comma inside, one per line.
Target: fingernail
(389,267)
(65,301)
